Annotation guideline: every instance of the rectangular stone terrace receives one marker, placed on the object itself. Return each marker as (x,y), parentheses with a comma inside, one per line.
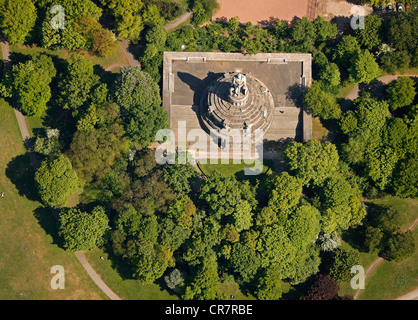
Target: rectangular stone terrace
(187,74)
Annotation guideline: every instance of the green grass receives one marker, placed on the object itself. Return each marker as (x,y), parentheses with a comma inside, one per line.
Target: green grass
(232,289)
(34,123)
(408,208)
(344,91)
(125,288)
(28,242)
(319,132)
(230,169)
(390,279)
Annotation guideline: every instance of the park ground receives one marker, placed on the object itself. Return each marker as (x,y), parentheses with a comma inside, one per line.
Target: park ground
(27,232)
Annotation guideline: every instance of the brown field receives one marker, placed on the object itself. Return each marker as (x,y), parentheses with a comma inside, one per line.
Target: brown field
(263,11)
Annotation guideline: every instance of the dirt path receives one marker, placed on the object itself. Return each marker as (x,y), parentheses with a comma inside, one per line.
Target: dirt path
(179,21)
(95,276)
(354,94)
(413,295)
(35,163)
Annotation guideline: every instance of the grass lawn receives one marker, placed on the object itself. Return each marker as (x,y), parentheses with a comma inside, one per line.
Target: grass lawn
(28,247)
(125,288)
(390,279)
(230,169)
(319,132)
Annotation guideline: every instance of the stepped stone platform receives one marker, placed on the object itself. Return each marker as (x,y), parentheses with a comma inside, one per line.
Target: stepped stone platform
(197,88)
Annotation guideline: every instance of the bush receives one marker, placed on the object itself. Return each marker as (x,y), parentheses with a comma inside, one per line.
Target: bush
(400,246)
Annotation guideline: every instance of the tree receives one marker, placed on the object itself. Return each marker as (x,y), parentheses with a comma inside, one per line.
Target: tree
(345,51)
(363,67)
(157,35)
(325,29)
(181,174)
(129,27)
(370,35)
(225,195)
(31,84)
(138,96)
(269,285)
(70,37)
(400,92)
(275,248)
(82,230)
(307,262)
(174,280)
(395,61)
(203,10)
(372,238)
(49,144)
(303,226)
(100,40)
(17,19)
(330,76)
(405,179)
(401,33)
(56,181)
(312,162)
(182,211)
(151,261)
(400,246)
(342,262)
(284,192)
(77,83)
(324,287)
(244,261)
(94,152)
(303,34)
(348,122)
(321,103)
(205,285)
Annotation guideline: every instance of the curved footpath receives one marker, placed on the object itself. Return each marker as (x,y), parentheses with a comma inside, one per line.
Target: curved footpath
(35,163)
(413,295)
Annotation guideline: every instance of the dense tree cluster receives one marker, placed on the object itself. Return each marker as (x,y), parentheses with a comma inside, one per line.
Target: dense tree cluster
(378,145)
(164,221)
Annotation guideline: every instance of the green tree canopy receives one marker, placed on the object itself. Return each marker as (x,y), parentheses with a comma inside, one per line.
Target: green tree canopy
(312,162)
(83,230)
(77,83)
(139,98)
(321,103)
(400,92)
(31,81)
(17,19)
(56,181)
(363,67)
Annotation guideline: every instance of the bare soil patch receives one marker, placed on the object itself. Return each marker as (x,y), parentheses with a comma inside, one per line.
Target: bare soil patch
(264,11)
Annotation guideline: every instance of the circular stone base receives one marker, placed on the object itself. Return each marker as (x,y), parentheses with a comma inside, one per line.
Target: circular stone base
(253,111)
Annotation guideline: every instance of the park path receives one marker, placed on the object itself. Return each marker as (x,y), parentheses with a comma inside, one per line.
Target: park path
(184,17)
(132,61)
(35,164)
(413,295)
(354,93)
